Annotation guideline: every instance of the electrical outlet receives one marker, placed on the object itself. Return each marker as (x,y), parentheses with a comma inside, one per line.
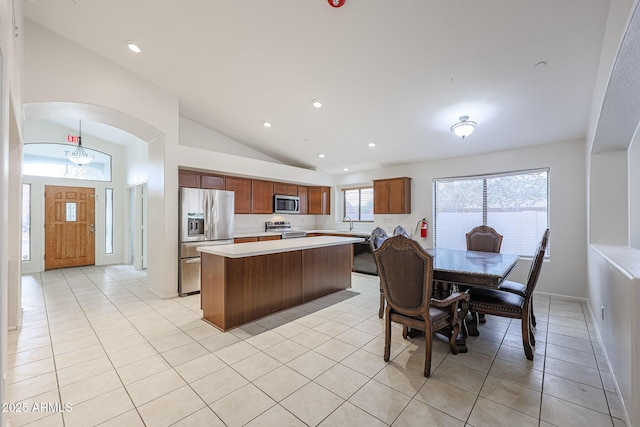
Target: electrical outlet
(602,311)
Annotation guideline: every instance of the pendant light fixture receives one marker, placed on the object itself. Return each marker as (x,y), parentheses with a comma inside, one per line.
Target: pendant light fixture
(464,127)
(79,156)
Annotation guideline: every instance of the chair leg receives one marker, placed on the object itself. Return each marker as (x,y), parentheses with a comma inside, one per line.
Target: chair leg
(428,335)
(481,318)
(454,337)
(387,336)
(381,309)
(527,336)
(533,316)
(472,327)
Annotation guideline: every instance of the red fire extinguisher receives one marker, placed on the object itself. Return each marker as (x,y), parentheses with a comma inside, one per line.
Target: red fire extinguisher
(424,228)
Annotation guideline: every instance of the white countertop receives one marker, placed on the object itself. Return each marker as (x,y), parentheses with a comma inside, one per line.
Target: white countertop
(242,250)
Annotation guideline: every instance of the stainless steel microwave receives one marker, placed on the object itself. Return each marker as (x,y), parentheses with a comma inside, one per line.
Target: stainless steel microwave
(286,204)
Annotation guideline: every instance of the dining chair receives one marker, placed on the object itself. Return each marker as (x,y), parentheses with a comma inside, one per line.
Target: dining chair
(520,288)
(406,276)
(506,304)
(378,235)
(484,239)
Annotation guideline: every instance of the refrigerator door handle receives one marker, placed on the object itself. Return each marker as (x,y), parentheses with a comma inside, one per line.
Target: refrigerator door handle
(192,261)
(206,195)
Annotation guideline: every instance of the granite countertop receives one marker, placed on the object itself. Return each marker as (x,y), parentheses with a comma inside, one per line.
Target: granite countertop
(275,246)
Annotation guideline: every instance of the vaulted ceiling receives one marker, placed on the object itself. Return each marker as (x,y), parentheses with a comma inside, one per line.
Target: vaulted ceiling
(396,73)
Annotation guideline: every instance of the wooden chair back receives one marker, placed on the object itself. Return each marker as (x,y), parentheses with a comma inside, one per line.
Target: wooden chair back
(536,265)
(484,238)
(406,275)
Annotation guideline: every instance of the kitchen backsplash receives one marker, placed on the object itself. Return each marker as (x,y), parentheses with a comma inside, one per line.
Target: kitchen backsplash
(255,223)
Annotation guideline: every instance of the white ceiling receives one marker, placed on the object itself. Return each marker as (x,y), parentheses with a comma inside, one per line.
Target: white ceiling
(398,73)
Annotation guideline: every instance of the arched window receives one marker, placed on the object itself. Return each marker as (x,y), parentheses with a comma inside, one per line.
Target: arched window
(49,160)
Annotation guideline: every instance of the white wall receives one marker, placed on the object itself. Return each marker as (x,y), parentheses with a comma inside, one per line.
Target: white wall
(565,272)
(137,159)
(10,128)
(615,286)
(612,180)
(609,217)
(634,192)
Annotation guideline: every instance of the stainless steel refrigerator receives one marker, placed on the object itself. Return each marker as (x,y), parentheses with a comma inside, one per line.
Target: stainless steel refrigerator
(206,219)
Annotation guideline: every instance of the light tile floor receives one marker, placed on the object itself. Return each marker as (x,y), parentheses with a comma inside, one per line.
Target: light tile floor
(98,348)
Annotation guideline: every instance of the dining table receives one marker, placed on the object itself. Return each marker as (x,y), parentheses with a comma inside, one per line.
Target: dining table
(461,268)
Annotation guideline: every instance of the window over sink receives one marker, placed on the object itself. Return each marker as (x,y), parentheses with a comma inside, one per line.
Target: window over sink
(358,203)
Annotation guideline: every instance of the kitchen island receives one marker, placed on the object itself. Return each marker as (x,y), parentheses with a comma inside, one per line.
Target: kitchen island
(244,282)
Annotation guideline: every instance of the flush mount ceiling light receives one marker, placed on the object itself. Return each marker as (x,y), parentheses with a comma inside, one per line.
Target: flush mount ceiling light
(79,156)
(266,124)
(316,103)
(464,127)
(133,46)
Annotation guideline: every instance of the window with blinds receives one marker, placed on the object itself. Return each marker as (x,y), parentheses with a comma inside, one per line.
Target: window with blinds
(358,203)
(515,204)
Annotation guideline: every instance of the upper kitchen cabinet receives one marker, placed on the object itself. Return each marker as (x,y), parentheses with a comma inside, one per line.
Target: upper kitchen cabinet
(303,194)
(188,179)
(261,197)
(242,197)
(212,182)
(319,201)
(392,196)
(283,189)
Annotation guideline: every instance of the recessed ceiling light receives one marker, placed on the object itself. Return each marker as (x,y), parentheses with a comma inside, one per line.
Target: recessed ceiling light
(372,144)
(346,169)
(133,46)
(316,103)
(322,156)
(541,64)
(266,124)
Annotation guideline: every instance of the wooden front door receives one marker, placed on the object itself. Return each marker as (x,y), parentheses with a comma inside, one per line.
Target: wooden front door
(69,226)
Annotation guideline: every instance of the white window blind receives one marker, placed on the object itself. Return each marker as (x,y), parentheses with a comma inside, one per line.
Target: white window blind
(515,204)
(358,203)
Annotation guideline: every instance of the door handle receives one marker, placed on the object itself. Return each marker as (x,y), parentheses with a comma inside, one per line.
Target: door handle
(92,228)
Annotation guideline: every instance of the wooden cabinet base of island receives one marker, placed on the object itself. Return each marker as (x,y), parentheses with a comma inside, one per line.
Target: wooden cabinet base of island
(236,291)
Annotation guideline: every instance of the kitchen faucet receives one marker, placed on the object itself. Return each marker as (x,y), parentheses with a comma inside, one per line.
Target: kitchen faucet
(350,222)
